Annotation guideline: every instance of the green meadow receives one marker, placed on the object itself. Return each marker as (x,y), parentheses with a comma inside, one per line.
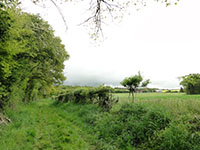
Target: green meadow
(155,121)
(174,102)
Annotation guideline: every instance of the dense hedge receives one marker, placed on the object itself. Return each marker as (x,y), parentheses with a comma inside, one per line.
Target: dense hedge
(101,95)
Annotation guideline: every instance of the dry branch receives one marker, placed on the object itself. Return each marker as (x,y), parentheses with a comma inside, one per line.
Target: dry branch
(101,9)
(4,120)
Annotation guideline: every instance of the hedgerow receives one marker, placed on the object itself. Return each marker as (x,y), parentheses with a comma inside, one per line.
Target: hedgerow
(102,96)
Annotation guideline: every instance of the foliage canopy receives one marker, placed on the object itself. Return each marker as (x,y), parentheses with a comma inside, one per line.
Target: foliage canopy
(191,83)
(133,82)
(31,57)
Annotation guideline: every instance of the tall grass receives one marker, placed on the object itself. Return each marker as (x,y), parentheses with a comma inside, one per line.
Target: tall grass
(176,103)
(42,126)
(154,122)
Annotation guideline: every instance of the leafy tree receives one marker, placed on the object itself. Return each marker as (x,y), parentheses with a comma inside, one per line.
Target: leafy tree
(191,83)
(8,48)
(133,82)
(31,59)
(145,83)
(45,57)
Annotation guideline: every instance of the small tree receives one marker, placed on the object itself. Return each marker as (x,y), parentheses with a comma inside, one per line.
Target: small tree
(133,82)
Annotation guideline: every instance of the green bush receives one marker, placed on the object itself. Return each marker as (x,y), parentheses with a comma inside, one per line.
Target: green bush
(69,96)
(194,131)
(174,137)
(101,95)
(61,97)
(80,96)
(92,95)
(134,125)
(105,98)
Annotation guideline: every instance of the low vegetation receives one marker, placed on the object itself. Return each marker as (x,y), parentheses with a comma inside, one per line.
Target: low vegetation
(147,124)
(42,125)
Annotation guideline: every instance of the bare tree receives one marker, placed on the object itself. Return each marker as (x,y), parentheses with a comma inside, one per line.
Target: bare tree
(101,10)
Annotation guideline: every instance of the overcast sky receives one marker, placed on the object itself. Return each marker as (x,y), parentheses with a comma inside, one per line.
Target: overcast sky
(162,43)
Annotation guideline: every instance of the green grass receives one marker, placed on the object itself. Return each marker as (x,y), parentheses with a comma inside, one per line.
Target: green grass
(40,126)
(176,103)
(157,96)
(155,121)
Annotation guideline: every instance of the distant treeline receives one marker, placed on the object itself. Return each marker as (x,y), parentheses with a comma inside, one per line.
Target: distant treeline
(125,90)
(114,89)
(141,90)
(31,56)
(191,83)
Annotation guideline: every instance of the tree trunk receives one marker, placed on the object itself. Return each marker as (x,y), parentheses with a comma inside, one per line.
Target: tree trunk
(133,96)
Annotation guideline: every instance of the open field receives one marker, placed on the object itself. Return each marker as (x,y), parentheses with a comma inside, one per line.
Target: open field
(158,96)
(177,103)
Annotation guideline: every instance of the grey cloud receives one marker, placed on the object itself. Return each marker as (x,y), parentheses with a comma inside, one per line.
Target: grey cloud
(94,79)
(91,79)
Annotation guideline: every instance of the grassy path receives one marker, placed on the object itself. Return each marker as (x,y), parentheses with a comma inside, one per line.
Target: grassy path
(40,126)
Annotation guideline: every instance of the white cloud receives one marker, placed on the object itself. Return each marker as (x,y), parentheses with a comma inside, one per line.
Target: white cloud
(163,43)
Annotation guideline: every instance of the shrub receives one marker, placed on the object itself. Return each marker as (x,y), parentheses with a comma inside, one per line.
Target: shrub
(61,97)
(92,95)
(80,95)
(69,96)
(105,98)
(174,137)
(194,130)
(134,125)
(101,96)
